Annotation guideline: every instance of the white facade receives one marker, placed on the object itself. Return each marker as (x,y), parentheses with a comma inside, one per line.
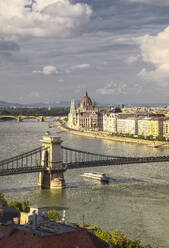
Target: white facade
(110,123)
(143,127)
(127,126)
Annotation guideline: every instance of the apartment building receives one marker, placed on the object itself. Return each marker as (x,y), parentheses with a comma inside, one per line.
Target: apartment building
(127,126)
(155,127)
(110,122)
(143,127)
(166,128)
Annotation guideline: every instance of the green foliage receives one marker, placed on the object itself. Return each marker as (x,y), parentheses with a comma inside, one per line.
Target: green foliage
(23,206)
(141,137)
(106,236)
(2,199)
(54,215)
(130,135)
(160,138)
(150,137)
(117,239)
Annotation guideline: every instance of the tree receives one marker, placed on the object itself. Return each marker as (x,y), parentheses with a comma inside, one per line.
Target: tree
(117,239)
(54,215)
(106,236)
(23,206)
(160,138)
(3,201)
(141,137)
(150,137)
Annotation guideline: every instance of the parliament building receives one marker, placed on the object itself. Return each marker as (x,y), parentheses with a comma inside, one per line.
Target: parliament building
(85,116)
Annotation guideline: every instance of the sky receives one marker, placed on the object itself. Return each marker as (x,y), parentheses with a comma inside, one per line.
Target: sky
(53,50)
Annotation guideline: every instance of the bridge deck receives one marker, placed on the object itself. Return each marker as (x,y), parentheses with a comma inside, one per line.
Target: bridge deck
(97,163)
(29,162)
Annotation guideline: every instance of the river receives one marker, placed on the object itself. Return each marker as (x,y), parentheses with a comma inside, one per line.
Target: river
(135,202)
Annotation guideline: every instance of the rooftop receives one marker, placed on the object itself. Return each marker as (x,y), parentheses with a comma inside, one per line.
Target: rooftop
(49,228)
(51,234)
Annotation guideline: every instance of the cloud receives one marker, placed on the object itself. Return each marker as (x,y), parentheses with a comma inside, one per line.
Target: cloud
(47,70)
(159,76)
(34,94)
(155,50)
(9,46)
(50,69)
(132,59)
(52,18)
(60,80)
(113,88)
(153,2)
(81,66)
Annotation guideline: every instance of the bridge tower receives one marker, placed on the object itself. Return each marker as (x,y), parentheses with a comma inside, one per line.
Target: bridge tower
(53,176)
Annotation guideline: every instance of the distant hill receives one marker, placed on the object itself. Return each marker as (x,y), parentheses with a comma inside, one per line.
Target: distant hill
(4,104)
(10,104)
(63,104)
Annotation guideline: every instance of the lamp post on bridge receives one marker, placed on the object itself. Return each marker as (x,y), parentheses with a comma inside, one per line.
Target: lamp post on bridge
(53,175)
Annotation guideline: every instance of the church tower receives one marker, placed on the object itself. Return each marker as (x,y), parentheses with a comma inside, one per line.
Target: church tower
(71,114)
(72,106)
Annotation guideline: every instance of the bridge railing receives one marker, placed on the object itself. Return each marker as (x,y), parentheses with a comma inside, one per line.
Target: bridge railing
(25,160)
(75,155)
(75,158)
(71,156)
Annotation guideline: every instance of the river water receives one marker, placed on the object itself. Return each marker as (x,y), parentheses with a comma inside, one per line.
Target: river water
(135,202)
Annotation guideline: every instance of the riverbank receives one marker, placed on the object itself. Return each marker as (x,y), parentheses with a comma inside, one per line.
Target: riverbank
(100,135)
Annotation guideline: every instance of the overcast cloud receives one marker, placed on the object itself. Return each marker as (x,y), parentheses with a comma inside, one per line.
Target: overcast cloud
(53,50)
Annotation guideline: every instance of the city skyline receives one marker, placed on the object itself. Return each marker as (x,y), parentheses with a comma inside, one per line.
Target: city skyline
(53,50)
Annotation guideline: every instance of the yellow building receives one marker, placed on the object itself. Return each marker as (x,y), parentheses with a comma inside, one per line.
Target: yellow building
(166,128)
(24,218)
(155,127)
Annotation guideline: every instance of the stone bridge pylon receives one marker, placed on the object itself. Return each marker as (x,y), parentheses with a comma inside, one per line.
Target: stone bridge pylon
(52,160)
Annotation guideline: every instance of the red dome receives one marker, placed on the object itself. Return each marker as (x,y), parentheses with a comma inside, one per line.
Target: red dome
(86,101)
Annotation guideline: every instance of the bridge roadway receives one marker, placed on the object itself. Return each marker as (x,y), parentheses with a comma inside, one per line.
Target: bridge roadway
(22,117)
(118,161)
(72,159)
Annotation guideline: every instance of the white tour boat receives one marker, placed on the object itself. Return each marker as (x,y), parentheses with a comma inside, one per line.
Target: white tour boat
(96,175)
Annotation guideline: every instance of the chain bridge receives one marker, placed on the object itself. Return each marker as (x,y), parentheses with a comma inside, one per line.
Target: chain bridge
(52,160)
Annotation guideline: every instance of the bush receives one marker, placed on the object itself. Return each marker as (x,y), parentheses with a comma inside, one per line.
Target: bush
(141,137)
(160,138)
(21,206)
(117,239)
(54,215)
(150,137)
(2,199)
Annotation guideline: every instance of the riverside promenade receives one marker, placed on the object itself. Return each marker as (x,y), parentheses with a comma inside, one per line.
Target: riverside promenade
(61,124)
